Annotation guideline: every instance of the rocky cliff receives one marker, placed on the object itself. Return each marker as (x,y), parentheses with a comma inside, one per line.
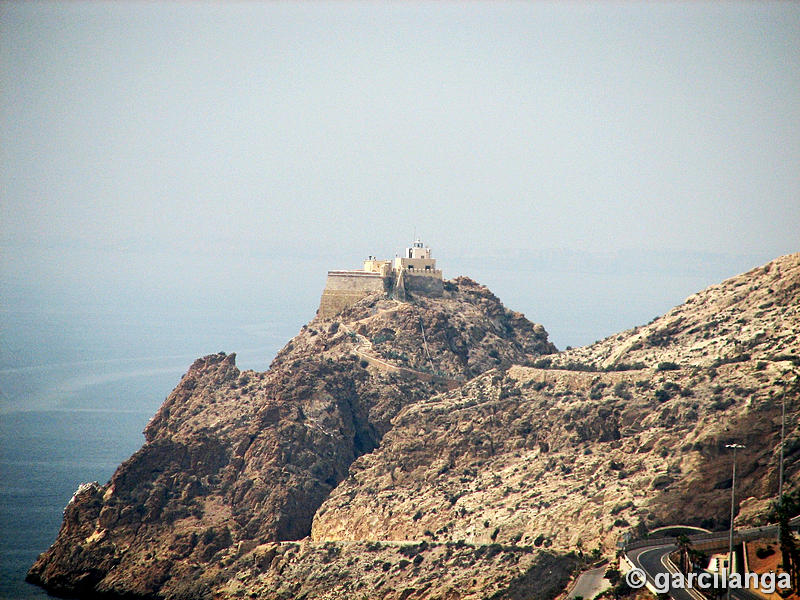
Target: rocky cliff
(235,459)
(441,449)
(587,444)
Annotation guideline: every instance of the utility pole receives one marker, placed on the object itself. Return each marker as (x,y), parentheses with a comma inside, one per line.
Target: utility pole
(783,432)
(733,496)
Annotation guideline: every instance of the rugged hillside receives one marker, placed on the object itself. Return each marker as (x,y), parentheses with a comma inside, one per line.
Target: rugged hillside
(750,316)
(237,459)
(395,571)
(566,460)
(416,461)
(574,456)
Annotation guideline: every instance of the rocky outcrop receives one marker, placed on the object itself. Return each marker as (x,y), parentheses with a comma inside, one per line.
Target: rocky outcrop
(236,459)
(439,448)
(398,571)
(564,460)
(577,453)
(750,316)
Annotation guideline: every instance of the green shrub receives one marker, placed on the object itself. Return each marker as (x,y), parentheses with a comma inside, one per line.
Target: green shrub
(622,366)
(764,552)
(731,359)
(621,391)
(667,366)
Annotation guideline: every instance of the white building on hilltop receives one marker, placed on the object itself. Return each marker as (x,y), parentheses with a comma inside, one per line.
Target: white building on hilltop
(417,261)
(413,273)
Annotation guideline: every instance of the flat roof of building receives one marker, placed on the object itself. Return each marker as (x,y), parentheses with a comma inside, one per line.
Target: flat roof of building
(355,273)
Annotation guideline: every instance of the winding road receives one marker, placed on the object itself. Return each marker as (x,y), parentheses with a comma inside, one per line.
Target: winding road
(653,558)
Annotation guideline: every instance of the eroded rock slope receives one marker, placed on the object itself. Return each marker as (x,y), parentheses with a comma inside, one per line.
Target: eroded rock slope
(236,459)
(571,455)
(440,450)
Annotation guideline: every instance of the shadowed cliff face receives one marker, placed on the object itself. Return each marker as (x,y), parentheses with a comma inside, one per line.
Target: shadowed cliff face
(235,459)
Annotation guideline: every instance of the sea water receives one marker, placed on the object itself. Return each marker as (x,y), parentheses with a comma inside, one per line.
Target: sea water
(76,391)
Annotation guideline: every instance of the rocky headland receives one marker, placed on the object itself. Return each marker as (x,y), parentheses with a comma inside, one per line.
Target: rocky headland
(442,448)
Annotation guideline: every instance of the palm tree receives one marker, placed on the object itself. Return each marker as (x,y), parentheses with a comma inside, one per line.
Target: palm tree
(790,552)
(684,545)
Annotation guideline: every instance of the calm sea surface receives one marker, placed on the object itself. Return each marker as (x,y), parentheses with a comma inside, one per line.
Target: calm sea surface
(76,391)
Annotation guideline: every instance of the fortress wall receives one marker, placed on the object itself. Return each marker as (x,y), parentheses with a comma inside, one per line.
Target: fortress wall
(423,284)
(436,273)
(345,288)
(359,281)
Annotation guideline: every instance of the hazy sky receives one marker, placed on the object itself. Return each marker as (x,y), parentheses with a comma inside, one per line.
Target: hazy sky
(204,156)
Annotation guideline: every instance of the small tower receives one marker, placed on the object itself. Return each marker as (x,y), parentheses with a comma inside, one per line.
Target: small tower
(417,250)
(417,261)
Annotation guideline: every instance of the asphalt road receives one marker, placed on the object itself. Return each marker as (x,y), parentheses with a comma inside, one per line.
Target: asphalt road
(651,561)
(590,583)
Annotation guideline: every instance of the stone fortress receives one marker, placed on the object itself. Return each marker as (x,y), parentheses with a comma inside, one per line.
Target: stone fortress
(413,273)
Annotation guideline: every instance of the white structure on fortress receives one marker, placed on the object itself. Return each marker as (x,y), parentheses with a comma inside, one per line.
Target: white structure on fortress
(413,273)
(416,261)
